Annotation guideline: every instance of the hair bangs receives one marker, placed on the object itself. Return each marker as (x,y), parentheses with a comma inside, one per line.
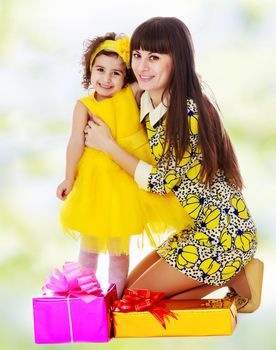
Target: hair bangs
(152,38)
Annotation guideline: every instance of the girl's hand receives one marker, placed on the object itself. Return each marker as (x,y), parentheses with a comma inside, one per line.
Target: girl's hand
(64,189)
(98,135)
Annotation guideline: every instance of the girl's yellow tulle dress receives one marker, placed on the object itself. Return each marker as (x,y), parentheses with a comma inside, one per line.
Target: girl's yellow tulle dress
(106,206)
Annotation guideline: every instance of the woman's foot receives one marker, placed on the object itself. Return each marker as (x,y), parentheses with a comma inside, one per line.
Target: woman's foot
(254,276)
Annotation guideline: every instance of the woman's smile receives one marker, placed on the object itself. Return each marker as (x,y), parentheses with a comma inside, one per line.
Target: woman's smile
(153,71)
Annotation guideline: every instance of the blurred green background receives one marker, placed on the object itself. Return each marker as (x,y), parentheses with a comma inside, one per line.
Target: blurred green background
(40,52)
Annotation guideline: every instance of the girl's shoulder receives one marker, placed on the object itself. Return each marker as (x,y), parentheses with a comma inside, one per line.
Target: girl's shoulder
(88,100)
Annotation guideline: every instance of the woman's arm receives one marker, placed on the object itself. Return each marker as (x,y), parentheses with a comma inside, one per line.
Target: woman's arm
(124,159)
(98,136)
(150,178)
(160,179)
(74,150)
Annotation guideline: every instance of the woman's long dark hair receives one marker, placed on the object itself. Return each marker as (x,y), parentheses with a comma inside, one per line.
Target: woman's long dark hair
(171,36)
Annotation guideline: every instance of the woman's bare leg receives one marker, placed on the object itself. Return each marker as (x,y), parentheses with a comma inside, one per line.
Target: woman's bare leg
(141,267)
(196,293)
(154,273)
(161,277)
(238,283)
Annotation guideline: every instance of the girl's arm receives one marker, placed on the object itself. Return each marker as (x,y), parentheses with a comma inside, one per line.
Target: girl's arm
(74,150)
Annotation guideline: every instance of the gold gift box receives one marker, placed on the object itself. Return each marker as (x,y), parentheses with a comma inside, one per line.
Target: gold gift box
(194,318)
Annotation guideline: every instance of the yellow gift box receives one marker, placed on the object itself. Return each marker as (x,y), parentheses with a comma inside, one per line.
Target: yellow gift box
(194,318)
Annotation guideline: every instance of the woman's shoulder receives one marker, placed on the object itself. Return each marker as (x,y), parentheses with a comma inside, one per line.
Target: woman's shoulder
(192,116)
(137,92)
(191,106)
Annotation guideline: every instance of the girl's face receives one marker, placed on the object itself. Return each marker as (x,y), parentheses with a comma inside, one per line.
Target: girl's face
(107,75)
(152,71)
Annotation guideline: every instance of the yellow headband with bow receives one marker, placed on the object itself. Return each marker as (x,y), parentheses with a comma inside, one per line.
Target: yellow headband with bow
(120,46)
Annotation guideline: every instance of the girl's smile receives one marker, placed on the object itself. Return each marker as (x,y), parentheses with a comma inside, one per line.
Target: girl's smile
(107,76)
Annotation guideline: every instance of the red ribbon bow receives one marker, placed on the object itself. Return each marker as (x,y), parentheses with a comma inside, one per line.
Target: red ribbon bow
(73,280)
(145,300)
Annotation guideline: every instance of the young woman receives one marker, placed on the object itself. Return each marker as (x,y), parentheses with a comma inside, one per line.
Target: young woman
(196,162)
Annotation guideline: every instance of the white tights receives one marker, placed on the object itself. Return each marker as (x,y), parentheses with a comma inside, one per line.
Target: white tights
(117,270)
(88,259)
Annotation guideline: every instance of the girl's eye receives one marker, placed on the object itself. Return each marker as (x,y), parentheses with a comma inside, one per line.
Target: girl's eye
(116,73)
(100,69)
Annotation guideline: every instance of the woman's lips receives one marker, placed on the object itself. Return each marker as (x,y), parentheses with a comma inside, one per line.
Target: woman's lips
(145,78)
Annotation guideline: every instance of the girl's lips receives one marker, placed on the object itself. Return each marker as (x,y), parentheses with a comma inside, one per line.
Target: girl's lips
(106,87)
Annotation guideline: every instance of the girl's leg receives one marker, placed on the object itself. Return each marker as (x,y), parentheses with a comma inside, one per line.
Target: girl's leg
(161,277)
(88,259)
(118,263)
(141,267)
(117,273)
(88,256)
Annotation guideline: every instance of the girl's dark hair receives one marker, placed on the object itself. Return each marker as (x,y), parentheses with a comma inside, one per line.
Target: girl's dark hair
(169,35)
(89,48)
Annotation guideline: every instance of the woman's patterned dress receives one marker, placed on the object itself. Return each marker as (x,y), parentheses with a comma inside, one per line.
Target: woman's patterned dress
(223,238)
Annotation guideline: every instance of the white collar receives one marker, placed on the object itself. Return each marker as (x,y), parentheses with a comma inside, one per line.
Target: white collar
(155,114)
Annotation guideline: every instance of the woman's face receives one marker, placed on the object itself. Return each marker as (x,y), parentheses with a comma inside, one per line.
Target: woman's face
(152,71)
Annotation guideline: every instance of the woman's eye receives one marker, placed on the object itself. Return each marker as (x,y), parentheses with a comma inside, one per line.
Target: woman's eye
(154,58)
(135,55)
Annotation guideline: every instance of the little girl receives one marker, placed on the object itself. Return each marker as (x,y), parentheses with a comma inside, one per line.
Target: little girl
(103,204)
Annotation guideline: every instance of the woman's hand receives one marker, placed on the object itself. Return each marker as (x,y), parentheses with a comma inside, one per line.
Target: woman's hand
(64,189)
(98,135)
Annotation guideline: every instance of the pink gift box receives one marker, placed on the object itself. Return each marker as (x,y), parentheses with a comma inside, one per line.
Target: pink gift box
(59,319)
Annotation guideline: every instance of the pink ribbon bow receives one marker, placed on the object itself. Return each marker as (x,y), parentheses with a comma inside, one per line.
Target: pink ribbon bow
(73,281)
